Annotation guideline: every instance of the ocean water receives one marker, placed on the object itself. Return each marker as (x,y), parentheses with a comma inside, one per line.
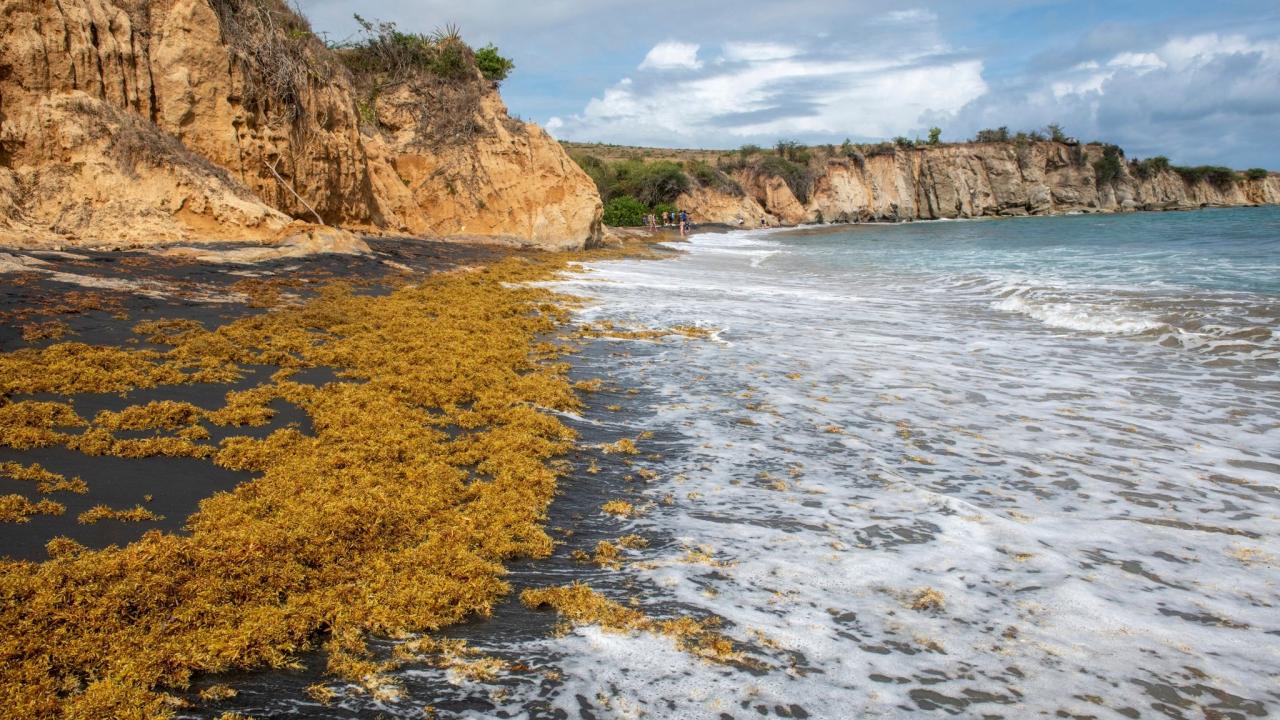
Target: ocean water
(1015,468)
(1068,428)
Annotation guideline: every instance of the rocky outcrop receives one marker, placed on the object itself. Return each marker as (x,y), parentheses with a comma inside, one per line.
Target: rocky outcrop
(241,125)
(710,205)
(967,181)
(509,181)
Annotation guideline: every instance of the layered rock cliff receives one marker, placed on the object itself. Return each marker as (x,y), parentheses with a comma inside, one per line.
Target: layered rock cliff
(965,181)
(143,121)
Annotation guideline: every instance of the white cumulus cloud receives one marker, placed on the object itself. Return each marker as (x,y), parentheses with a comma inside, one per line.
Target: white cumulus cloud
(819,88)
(672,55)
(1201,98)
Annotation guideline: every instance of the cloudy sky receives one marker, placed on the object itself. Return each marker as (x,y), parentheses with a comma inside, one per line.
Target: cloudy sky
(1197,81)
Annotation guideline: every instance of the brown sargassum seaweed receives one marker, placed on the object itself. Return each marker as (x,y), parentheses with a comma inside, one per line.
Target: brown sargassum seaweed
(427,468)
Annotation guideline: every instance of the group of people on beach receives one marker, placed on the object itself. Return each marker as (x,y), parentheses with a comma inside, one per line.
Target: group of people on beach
(668,219)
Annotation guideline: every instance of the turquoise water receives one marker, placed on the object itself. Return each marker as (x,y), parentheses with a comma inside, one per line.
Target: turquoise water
(1235,250)
(1068,428)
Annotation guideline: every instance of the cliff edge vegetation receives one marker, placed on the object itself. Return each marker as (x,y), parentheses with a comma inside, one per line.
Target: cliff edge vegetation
(139,123)
(995,174)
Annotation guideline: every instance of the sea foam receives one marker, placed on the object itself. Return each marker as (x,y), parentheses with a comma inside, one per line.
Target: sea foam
(1091,508)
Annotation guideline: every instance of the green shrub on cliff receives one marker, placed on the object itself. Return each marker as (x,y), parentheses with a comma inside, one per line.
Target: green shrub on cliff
(1216,175)
(624,211)
(394,56)
(1149,168)
(1107,168)
(495,67)
(709,177)
(883,148)
(383,60)
(796,176)
(794,151)
(1256,174)
(652,183)
(649,183)
(1000,134)
(935,136)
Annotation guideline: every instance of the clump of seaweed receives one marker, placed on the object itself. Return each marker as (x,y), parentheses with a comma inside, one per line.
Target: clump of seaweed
(321,693)
(264,292)
(425,468)
(47,330)
(460,659)
(927,599)
(46,481)
(213,693)
(98,513)
(18,509)
(61,547)
(610,329)
(168,332)
(619,508)
(35,424)
(625,446)
(579,604)
(607,555)
(98,442)
(71,302)
(159,415)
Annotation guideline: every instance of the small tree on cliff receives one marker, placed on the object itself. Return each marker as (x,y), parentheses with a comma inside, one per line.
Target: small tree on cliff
(1055,133)
(1107,168)
(1000,134)
(935,135)
(495,67)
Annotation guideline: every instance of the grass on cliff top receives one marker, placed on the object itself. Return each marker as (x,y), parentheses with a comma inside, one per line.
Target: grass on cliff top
(447,78)
(428,467)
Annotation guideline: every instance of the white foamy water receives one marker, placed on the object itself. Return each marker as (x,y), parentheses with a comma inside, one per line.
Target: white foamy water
(1096,507)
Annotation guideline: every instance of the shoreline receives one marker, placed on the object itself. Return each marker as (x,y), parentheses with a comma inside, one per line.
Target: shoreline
(720,227)
(157,402)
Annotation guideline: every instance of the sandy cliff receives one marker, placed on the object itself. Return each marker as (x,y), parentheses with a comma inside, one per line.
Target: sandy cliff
(507,179)
(965,181)
(144,121)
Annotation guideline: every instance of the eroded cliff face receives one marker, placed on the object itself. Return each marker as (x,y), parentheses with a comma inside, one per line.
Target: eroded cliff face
(242,130)
(966,181)
(508,180)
